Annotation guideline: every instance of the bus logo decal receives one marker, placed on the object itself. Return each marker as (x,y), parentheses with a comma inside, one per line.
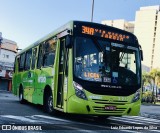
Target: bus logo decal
(42,79)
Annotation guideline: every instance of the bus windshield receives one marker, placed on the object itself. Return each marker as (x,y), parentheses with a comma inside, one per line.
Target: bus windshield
(107,62)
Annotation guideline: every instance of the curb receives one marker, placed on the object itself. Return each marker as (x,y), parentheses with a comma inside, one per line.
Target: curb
(4,91)
(150,104)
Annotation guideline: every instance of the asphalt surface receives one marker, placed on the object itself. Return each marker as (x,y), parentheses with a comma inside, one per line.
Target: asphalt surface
(24,117)
(150,111)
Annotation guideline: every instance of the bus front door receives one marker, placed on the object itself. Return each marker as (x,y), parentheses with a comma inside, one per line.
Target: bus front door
(61,74)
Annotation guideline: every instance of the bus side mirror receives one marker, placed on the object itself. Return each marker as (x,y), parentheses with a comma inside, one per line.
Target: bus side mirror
(68,41)
(141,53)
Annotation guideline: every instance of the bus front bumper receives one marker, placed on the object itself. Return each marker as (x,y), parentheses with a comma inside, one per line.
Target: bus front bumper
(80,106)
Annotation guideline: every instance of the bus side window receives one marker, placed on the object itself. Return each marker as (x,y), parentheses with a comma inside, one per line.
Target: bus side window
(17,64)
(49,53)
(34,57)
(28,59)
(21,64)
(40,55)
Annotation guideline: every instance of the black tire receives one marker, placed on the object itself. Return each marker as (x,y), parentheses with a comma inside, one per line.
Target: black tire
(48,104)
(21,97)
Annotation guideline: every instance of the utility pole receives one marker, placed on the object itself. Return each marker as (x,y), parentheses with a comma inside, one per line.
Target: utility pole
(1,39)
(92,10)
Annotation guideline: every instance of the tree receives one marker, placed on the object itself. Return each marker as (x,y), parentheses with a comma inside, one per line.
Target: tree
(157,85)
(155,75)
(146,79)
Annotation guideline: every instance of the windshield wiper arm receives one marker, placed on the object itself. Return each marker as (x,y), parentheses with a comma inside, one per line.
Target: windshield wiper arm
(98,45)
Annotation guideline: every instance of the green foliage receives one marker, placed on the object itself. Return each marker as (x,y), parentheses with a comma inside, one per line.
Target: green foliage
(147,97)
(147,94)
(152,78)
(155,75)
(146,78)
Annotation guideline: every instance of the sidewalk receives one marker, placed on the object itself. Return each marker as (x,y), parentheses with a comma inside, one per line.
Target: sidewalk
(7,95)
(4,91)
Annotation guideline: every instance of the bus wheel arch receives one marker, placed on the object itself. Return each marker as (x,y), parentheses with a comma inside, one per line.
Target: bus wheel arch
(48,100)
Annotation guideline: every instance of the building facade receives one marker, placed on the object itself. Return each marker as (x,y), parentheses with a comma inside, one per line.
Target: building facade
(145,68)
(8,50)
(147,30)
(121,24)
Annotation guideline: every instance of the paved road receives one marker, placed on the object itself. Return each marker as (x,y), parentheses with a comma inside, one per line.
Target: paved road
(9,105)
(18,116)
(150,111)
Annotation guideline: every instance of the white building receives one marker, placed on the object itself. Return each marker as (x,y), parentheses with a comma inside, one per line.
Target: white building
(145,68)
(121,24)
(8,51)
(7,56)
(147,30)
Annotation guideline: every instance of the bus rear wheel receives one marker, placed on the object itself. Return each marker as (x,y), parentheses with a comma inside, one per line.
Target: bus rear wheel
(48,104)
(21,97)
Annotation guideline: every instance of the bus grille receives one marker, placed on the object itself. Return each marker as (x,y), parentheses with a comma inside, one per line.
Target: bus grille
(114,102)
(101,109)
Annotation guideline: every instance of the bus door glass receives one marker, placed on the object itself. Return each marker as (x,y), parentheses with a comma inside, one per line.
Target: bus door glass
(61,74)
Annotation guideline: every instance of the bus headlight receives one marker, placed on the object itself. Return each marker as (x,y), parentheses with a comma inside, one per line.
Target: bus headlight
(136,96)
(79,91)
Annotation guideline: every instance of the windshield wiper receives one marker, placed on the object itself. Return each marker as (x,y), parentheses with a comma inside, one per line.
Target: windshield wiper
(98,45)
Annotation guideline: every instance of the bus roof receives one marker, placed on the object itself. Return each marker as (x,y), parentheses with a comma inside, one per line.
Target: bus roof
(69,26)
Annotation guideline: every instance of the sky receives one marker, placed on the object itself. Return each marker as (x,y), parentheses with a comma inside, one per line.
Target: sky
(26,21)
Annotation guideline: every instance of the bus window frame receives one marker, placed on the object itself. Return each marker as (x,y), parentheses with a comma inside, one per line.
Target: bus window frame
(40,56)
(34,57)
(16,64)
(20,69)
(25,64)
(45,53)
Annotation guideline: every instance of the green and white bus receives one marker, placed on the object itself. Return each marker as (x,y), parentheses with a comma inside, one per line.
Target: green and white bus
(82,68)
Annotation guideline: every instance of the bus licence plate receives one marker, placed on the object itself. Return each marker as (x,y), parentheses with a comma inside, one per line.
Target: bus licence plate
(110,107)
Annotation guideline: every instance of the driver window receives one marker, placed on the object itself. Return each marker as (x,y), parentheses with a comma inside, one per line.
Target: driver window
(128,61)
(49,53)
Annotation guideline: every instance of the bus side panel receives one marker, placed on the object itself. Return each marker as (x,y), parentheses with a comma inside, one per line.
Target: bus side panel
(38,91)
(14,88)
(43,78)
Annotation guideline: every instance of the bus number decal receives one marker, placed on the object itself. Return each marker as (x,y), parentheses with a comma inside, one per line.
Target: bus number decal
(87,30)
(104,34)
(123,98)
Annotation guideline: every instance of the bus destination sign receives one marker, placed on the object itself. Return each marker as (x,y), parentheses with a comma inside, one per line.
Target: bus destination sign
(104,33)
